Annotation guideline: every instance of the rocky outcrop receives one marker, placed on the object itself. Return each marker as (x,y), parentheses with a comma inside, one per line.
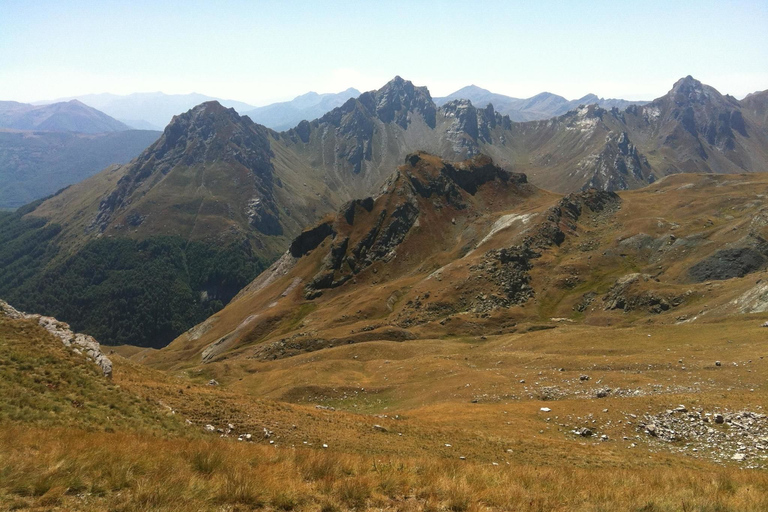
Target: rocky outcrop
(626,295)
(508,270)
(310,238)
(619,166)
(79,343)
(379,244)
(451,181)
(562,218)
(420,183)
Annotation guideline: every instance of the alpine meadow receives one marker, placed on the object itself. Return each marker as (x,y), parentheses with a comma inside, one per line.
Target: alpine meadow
(232,281)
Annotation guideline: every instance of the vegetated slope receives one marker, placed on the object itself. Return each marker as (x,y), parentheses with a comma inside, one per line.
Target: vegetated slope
(459,249)
(542,106)
(143,251)
(35,164)
(427,216)
(432,321)
(384,423)
(377,417)
(287,114)
(70,116)
(212,176)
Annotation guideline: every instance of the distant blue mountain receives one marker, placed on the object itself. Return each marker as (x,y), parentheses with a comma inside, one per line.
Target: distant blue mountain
(69,116)
(287,114)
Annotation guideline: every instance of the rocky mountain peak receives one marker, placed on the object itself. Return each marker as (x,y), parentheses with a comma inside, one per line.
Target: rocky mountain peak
(688,90)
(211,132)
(203,115)
(206,134)
(398,102)
(398,97)
(701,111)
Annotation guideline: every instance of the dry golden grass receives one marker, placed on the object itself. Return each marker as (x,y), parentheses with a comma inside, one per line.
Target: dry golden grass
(418,388)
(58,469)
(85,468)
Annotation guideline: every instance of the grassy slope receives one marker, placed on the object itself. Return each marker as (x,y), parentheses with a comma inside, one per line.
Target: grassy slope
(423,390)
(45,384)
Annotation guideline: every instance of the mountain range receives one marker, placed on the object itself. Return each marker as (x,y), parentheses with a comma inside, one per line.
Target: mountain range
(218,197)
(337,316)
(544,105)
(151,111)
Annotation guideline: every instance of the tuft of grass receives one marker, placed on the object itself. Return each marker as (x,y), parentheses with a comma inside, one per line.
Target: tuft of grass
(239,488)
(354,491)
(207,461)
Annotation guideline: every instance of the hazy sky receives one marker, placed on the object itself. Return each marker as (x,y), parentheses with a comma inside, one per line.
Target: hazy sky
(265,51)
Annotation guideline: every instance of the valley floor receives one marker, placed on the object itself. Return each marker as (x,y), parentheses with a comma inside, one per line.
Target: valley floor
(569,418)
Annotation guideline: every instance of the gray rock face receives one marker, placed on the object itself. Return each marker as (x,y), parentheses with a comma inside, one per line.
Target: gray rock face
(732,262)
(310,239)
(471,125)
(80,343)
(624,295)
(508,269)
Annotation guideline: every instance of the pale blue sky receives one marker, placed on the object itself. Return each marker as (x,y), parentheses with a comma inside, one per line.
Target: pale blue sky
(264,51)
